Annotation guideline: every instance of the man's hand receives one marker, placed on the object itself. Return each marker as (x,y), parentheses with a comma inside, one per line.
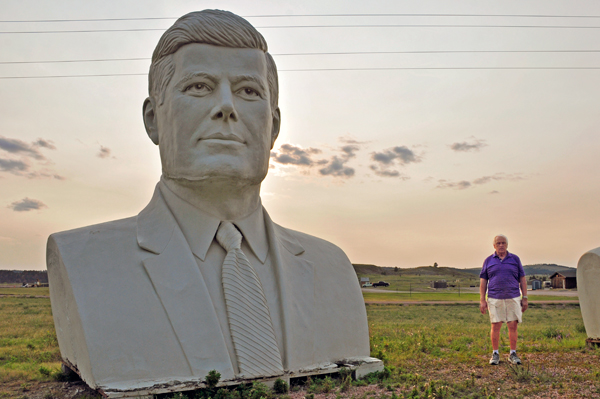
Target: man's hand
(483,306)
(524,304)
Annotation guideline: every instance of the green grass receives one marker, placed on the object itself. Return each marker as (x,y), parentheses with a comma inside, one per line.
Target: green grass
(426,348)
(41,291)
(27,339)
(390,296)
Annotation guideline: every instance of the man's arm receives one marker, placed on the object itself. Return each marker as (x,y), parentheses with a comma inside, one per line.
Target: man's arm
(524,301)
(482,290)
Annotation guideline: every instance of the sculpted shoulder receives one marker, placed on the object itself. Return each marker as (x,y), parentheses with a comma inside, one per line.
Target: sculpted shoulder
(318,250)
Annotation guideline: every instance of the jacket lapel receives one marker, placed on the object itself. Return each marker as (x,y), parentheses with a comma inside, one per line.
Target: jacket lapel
(295,277)
(182,291)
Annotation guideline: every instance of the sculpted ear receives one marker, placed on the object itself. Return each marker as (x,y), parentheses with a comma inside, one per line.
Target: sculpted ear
(276,126)
(150,122)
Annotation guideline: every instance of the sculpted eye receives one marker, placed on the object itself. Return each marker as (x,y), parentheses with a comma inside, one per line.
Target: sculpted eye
(249,92)
(202,88)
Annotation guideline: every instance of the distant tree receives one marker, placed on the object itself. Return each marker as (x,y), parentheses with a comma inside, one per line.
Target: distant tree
(396,269)
(435,264)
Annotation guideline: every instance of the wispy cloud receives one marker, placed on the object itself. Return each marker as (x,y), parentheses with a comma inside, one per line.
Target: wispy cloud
(463,184)
(27,154)
(26,205)
(460,185)
(104,152)
(466,146)
(387,159)
(16,146)
(289,154)
(14,166)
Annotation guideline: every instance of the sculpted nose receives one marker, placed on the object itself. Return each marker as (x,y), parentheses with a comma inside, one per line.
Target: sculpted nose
(224,108)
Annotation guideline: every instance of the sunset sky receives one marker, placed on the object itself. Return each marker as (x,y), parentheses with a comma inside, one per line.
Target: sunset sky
(404,145)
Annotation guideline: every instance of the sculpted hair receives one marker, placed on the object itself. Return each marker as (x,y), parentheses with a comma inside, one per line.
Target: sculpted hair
(215,27)
(499,235)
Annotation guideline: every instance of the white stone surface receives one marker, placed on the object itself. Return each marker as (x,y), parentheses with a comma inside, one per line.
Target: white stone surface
(588,278)
(132,310)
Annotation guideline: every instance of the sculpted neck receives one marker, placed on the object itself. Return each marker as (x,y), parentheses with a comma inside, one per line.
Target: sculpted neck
(223,199)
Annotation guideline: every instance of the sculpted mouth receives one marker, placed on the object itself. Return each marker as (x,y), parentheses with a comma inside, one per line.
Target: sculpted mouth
(223,137)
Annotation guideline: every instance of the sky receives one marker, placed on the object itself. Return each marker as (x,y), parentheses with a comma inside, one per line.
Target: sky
(418,149)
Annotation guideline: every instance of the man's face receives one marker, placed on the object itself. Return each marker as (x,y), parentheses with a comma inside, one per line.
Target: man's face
(216,119)
(500,245)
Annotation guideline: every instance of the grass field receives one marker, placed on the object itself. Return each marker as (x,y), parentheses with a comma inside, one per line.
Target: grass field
(421,282)
(390,296)
(41,291)
(430,350)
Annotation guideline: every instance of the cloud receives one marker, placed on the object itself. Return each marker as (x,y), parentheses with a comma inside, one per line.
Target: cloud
(401,154)
(289,154)
(476,145)
(337,165)
(494,192)
(13,166)
(44,143)
(336,168)
(16,146)
(104,152)
(386,159)
(463,184)
(26,205)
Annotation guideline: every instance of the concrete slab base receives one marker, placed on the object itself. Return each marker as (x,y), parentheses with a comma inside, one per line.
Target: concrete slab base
(360,367)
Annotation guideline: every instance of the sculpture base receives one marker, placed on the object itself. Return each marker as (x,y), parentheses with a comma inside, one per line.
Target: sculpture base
(360,367)
(593,342)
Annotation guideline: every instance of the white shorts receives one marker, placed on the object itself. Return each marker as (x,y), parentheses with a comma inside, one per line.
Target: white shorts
(505,310)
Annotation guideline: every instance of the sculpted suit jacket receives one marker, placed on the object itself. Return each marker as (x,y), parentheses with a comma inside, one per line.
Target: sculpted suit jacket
(131,308)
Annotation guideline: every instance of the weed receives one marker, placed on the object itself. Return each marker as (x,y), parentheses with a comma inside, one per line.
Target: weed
(309,396)
(212,378)
(281,386)
(45,371)
(520,373)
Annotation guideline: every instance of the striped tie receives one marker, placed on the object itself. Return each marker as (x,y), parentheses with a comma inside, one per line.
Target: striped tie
(249,320)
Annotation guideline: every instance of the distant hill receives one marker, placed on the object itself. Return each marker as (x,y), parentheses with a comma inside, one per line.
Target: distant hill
(540,269)
(363,269)
(23,276)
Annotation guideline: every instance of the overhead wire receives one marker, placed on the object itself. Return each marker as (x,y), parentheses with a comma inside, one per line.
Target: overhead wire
(323,70)
(320,53)
(315,15)
(318,26)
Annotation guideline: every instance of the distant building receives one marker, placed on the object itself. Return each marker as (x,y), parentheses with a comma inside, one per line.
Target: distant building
(565,279)
(536,284)
(439,284)
(364,280)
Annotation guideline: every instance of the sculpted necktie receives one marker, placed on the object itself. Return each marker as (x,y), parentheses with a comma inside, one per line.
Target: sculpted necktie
(249,320)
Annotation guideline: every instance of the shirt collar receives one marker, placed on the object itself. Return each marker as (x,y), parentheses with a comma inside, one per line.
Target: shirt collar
(200,228)
(495,255)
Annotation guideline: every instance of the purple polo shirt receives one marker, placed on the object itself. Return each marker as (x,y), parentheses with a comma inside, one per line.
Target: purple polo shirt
(503,276)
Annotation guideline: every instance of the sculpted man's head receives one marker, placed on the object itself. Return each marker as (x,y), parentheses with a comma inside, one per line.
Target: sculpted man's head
(213,107)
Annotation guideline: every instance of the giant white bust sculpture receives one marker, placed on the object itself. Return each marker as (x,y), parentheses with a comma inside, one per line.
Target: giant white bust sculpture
(201,278)
(588,276)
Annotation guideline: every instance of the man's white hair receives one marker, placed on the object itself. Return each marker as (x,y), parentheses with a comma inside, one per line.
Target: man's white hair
(499,235)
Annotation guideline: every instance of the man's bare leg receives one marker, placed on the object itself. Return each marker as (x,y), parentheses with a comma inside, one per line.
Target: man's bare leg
(513,335)
(495,335)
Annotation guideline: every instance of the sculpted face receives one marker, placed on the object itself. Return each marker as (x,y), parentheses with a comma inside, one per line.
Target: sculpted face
(216,120)
(500,245)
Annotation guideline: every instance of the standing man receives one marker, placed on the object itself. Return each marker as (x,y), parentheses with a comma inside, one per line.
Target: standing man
(502,276)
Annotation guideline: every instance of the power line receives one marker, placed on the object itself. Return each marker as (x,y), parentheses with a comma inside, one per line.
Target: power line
(319,26)
(323,70)
(324,53)
(314,15)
